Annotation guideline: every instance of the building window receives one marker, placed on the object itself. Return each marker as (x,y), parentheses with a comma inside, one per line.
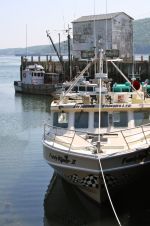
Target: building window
(81,120)
(104,119)
(60,119)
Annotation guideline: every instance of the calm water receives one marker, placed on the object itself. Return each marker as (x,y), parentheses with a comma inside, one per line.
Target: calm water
(29,194)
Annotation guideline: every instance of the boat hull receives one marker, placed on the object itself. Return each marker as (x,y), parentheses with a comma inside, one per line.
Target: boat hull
(85,173)
(40,89)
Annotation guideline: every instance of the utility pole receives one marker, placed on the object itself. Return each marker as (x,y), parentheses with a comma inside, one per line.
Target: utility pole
(69,54)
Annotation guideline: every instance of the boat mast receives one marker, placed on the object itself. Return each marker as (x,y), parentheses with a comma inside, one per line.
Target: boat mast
(100,85)
(58,55)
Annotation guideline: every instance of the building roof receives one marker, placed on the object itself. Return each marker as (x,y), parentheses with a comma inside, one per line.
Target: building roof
(98,17)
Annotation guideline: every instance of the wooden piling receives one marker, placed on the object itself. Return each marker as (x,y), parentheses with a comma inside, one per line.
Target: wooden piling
(141,67)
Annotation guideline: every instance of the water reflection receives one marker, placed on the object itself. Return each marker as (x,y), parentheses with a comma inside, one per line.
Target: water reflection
(33,102)
(24,175)
(23,172)
(65,206)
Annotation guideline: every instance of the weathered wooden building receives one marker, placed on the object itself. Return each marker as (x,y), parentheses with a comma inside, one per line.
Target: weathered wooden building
(107,31)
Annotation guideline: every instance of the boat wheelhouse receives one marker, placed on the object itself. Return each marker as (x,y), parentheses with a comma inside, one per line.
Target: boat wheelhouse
(36,81)
(83,113)
(82,87)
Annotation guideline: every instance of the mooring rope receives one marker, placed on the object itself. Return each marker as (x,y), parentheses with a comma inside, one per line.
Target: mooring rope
(113,208)
(98,143)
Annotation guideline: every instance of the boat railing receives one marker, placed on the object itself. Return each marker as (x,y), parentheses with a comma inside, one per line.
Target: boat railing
(72,139)
(136,135)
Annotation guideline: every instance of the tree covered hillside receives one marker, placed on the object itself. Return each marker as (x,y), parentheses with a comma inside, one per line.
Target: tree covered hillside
(141,36)
(141,40)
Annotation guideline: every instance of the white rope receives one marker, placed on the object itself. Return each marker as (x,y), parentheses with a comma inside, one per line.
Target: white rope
(119,223)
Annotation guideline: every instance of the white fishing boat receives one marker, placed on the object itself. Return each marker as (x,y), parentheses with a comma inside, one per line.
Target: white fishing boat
(35,81)
(99,143)
(82,87)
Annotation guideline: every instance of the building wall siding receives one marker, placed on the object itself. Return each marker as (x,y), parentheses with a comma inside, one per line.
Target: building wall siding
(119,35)
(122,35)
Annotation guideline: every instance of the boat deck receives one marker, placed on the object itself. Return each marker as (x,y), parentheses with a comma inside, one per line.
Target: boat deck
(111,143)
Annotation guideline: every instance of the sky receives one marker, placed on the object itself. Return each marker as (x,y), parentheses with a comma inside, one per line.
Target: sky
(24,23)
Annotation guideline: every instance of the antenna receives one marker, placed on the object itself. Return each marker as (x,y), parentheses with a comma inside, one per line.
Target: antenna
(26,40)
(133,60)
(94,31)
(69,54)
(59,44)
(106,28)
(106,44)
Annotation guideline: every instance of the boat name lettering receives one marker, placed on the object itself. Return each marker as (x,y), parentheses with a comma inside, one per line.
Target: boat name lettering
(116,105)
(138,158)
(84,106)
(61,159)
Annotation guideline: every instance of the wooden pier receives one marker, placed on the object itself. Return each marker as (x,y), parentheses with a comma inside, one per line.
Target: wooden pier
(52,65)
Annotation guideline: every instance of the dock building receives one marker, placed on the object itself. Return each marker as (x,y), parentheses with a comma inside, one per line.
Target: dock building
(107,31)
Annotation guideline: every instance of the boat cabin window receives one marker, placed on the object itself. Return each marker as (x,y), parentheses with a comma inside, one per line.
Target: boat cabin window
(90,88)
(81,120)
(37,74)
(120,119)
(75,89)
(104,119)
(66,88)
(60,119)
(141,118)
(81,88)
